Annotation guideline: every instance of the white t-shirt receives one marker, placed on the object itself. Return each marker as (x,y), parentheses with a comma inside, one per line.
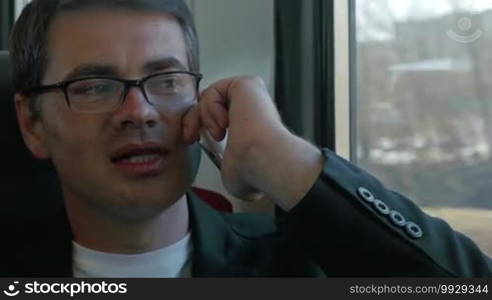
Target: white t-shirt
(173,261)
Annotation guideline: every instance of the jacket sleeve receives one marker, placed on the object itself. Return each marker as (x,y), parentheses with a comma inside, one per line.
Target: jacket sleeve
(351,225)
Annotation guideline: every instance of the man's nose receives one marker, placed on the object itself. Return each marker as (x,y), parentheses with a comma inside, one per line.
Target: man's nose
(136,111)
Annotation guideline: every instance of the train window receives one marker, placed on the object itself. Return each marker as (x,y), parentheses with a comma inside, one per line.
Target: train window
(422,104)
(19,5)
(244,46)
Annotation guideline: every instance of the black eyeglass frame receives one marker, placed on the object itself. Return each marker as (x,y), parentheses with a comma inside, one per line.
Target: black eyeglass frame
(63,85)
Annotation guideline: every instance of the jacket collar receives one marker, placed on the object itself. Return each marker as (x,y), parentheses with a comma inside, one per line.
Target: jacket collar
(215,243)
(48,251)
(44,247)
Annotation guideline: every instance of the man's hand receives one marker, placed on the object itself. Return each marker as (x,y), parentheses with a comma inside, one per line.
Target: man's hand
(261,155)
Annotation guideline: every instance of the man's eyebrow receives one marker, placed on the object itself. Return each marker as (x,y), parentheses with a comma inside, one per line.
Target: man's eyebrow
(86,70)
(153,66)
(163,64)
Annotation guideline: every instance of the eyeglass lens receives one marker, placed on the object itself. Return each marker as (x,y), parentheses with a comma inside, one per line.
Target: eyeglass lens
(165,91)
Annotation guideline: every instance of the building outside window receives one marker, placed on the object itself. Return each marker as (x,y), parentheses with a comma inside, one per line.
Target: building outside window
(422,98)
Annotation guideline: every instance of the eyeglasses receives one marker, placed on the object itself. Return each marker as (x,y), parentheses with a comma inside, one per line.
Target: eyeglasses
(101,94)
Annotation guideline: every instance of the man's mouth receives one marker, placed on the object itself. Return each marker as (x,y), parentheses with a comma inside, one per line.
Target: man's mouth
(140,160)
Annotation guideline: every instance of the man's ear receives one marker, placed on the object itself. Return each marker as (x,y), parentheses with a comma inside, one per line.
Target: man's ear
(32,129)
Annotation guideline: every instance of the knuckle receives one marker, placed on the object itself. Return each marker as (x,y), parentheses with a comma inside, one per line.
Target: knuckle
(207,93)
(252,79)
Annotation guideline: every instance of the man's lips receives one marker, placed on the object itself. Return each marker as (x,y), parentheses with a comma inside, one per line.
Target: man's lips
(140,159)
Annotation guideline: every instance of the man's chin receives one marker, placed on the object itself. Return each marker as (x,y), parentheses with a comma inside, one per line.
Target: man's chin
(136,207)
(135,211)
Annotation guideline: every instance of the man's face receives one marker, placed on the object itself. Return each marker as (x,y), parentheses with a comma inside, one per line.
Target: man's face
(133,161)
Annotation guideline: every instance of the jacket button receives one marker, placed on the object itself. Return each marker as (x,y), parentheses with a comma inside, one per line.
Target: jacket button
(381,207)
(397,218)
(366,194)
(414,230)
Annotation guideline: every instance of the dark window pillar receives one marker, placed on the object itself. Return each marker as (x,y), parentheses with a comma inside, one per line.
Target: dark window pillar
(304,89)
(6,21)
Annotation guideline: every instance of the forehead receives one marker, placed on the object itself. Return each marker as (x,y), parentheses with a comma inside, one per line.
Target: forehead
(124,39)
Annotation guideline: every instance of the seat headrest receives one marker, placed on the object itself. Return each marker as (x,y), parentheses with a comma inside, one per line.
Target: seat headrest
(29,188)
(18,161)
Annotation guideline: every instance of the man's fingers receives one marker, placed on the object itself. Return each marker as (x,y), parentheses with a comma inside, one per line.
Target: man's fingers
(213,112)
(211,125)
(191,125)
(218,113)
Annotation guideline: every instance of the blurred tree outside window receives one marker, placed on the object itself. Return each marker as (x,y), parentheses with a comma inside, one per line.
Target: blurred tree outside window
(424,105)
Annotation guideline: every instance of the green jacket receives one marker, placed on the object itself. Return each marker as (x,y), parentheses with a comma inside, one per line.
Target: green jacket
(347,225)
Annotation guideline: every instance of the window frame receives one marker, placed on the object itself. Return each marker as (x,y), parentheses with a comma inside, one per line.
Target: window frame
(19,6)
(344,52)
(7,18)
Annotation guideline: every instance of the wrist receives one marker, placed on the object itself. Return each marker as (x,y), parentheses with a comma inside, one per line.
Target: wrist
(282,166)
